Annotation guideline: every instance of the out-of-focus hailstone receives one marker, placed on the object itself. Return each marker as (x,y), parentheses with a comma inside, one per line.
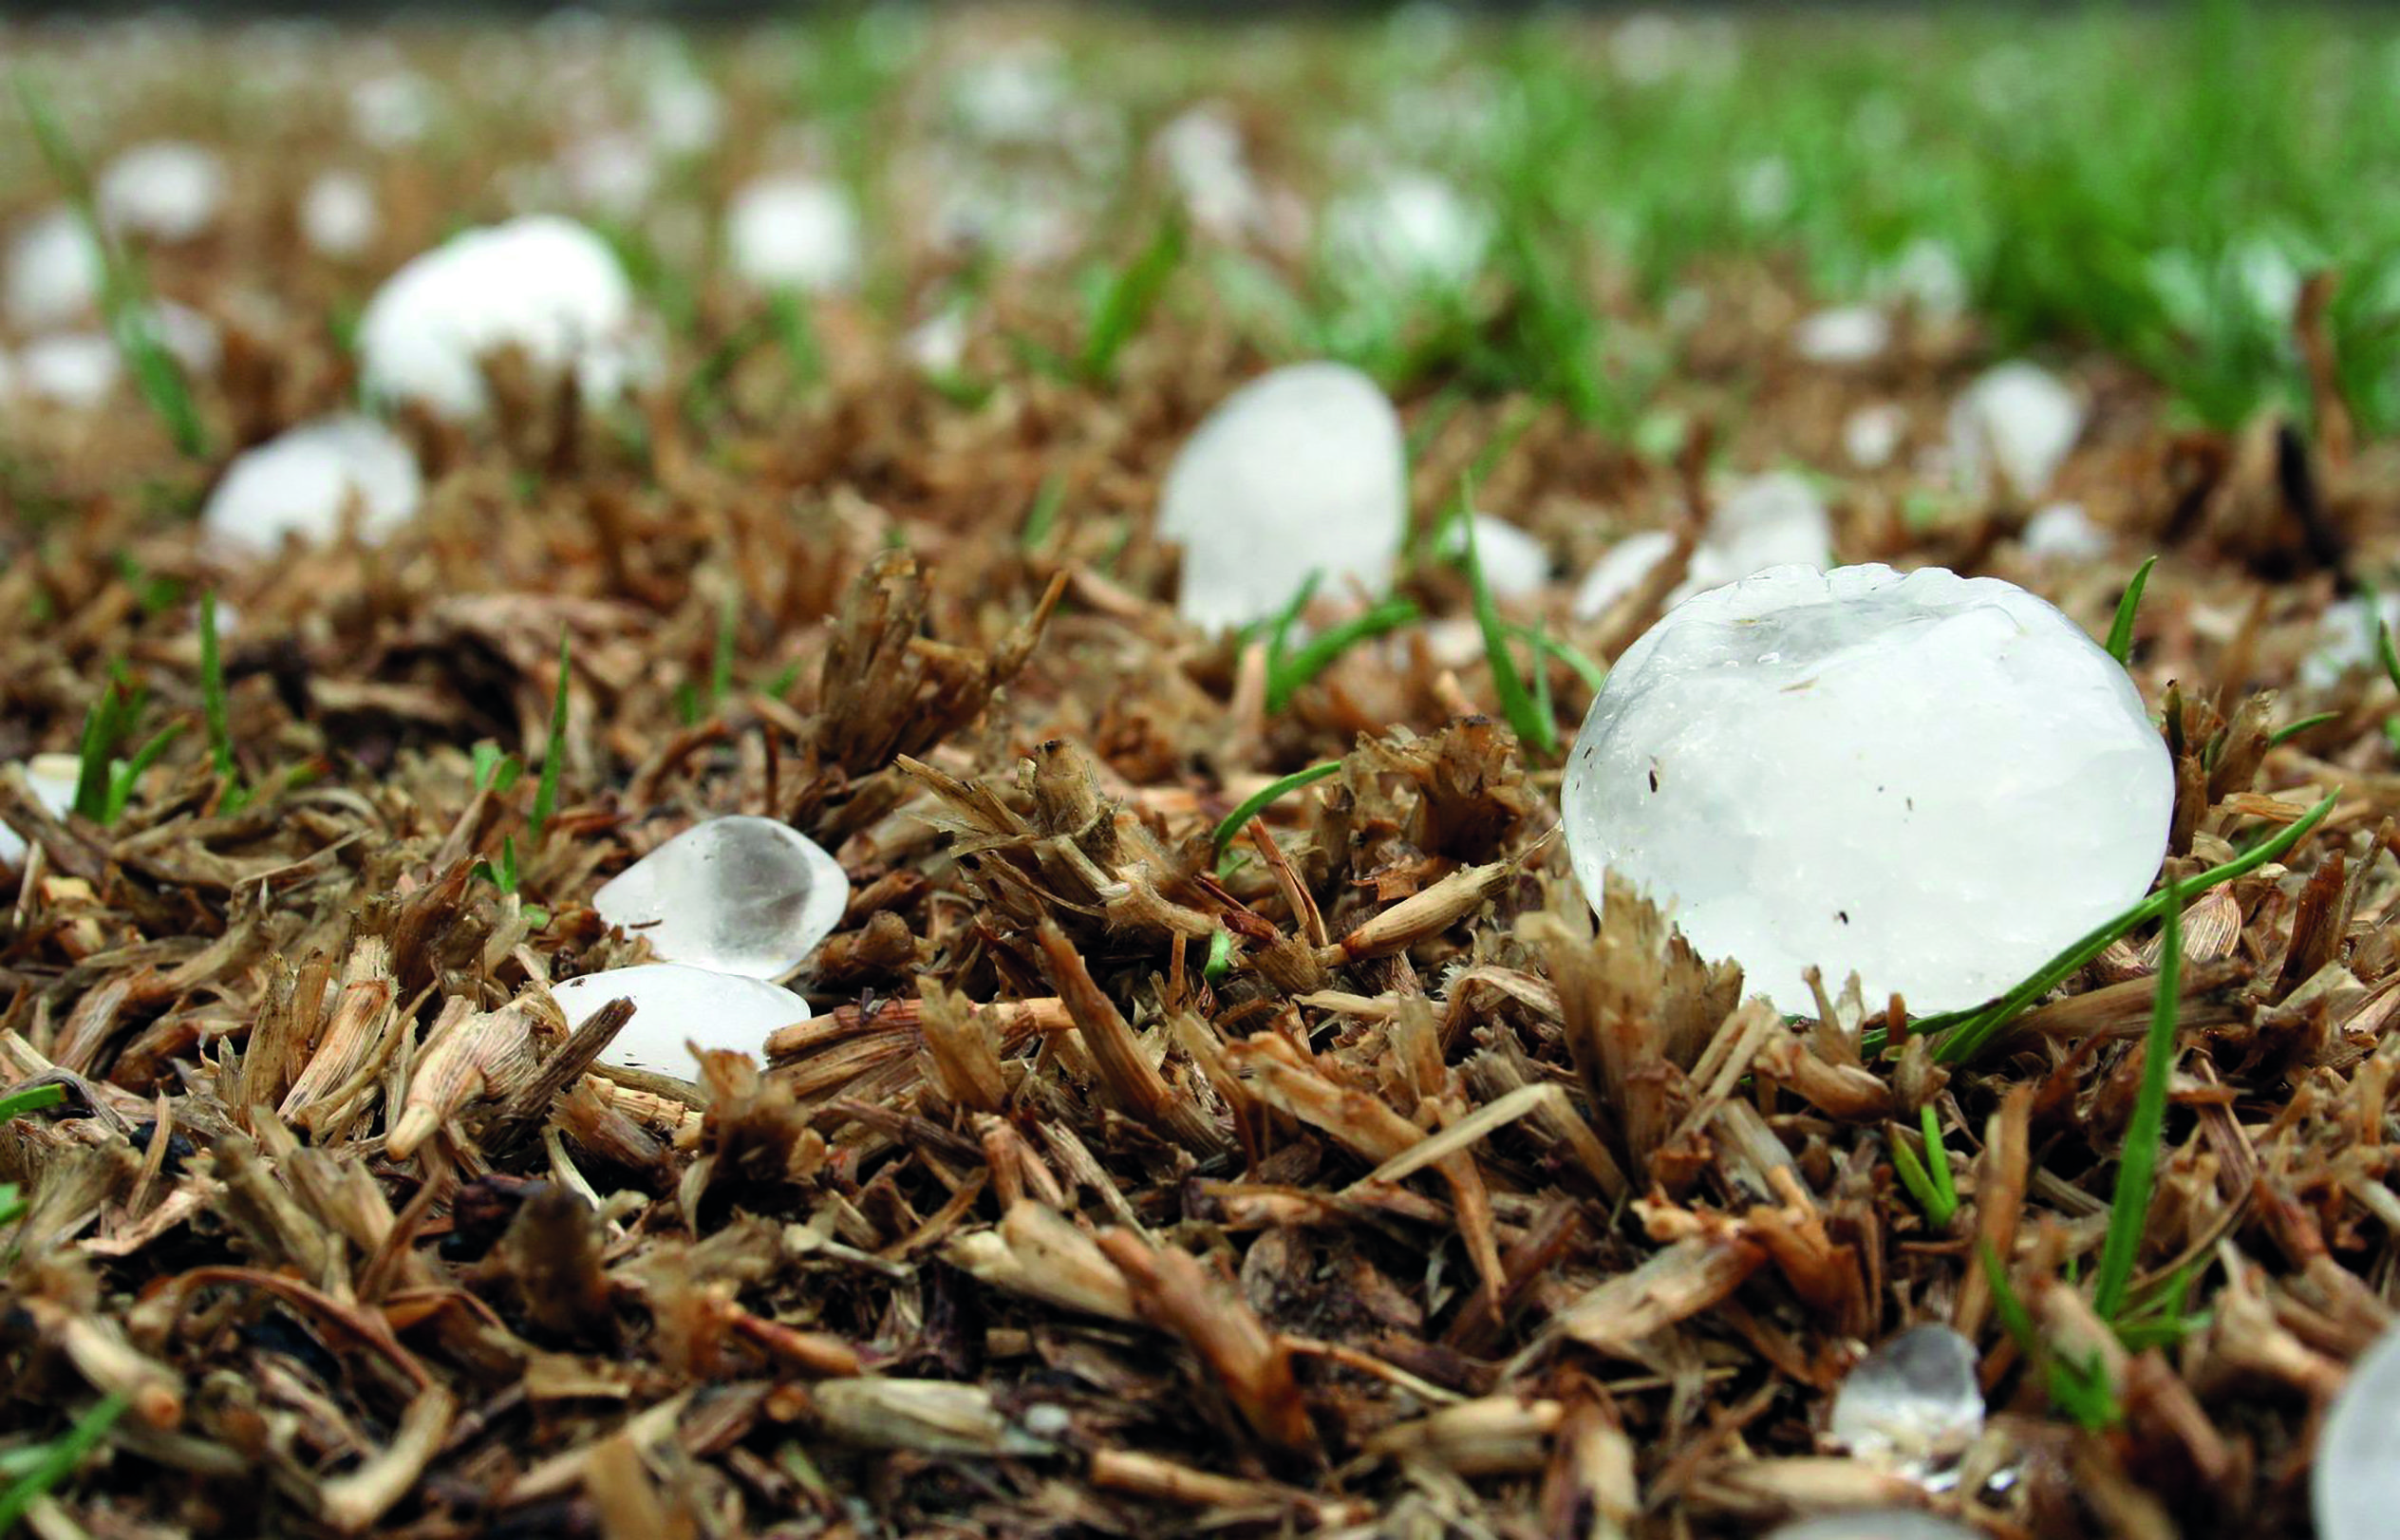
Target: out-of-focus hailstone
(614,172)
(1875,1524)
(392,110)
(338,216)
(542,284)
(1770,520)
(52,778)
(1202,152)
(168,190)
(1851,334)
(734,895)
(1912,1402)
(682,109)
(303,481)
(2019,420)
(68,368)
(54,270)
(1411,228)
(2346,638)
(2063,531)
(1871,435)
(2358,1453)
(1926,276)
(674,1006)
(794,230)
(1014,96)
(1936,781)
(1514,563)
(1299,470)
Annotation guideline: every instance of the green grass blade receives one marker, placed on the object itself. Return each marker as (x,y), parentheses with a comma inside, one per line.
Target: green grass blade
(1266,796)
(1938,1160)
(1537,731)
(1220,961)
(2129,1213)
(125,775)
(2121,630)
(60,1458)
(1044,515)
(721,663)
(1286,676)
(553,753)
(1912,1177)
(33,1099)
(1130,297)
(220,732)
(2384,652)
(102,732)
(1279,634)
(2290,730)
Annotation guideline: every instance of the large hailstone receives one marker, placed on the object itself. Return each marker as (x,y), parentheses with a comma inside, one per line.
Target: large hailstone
(1299,470)
(2018,419)
(1771,520)
(2358,1450)
(675,1006)
(1912,1402)
(169,190)
(1936,781)
(742,895)
(542,283)
(793,232)
(52,778)
(303,481)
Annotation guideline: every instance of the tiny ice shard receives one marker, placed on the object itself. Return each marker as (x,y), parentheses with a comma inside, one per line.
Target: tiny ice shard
(541,284)
(1875,1524)
(740,895)
(1299,470)
(1936,781)
(52,778)
(674,1006)
(2019,420)
(167,189)
(2063,531)
(2358,1468)
(1913,1402)
(1770,520)
(1851,334)
(338,216)
(793,232)
(1514,563)
(302,481)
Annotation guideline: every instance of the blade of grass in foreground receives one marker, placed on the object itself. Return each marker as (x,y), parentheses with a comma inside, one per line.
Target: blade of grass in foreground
(1286,674)
(2121,629)
(2130,1212)
(57,1459)
(1534,728)
(1266,796)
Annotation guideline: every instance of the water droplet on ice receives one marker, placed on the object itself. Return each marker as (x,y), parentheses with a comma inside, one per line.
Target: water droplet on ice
(742,895)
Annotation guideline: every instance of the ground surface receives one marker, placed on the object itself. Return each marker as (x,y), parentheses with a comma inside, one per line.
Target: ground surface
(1411,1201)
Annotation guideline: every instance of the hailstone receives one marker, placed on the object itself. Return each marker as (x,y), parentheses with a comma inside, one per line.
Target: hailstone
(1771,520)
(1851,334)
(302,481)
(2062,532)
(1872,434)
(1514,563)
(542,283)
(2358,1452)
(742,895)
(794,230)
(168,189)
(55,270)
(52,778)
(674,1006)
(1913,1401)
(2018,419)
(1935,782)
(1412,228)
(1875,1524)
(1301,471)
(338,216)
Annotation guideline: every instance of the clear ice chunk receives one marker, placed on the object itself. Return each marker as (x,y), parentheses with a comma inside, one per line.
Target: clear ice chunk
(1912,1402)
(740,895)
(1299,470)
(1936,781)
(1875,1524)
(674,1006)
(2355,1483)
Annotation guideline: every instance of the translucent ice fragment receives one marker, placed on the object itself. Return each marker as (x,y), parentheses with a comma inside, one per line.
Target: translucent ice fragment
(1913,1401)
(735,896)
(1299,470)
(794,230)
(1936,781)
(674,1006)
(304,480)
(1770,520)
(2016,419)
(2358,1471)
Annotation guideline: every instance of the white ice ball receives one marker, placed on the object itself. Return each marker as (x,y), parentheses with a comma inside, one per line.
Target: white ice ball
(1771,520)
(338,215)
(2018,421)
(1411,229)
(168,190)
(55,270)
(1514,563)
(303,483)
(792,230)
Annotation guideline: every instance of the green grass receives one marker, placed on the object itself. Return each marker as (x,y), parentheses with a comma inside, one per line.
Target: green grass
(1128,298)
(1265,797)
(2121,629)
(1287,671)
(1928,1181)
(35,1471)
(2129,1213)
(103,782)
(1536,725)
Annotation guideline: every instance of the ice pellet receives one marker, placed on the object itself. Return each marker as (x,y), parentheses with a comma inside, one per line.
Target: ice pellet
(742,895)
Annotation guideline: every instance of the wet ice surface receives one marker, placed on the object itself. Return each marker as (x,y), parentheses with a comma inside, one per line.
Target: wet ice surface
(2016,420)
(1912,1402)
(1874,1524)
(740,895)
(1299,470)
(675,1006)
(2357,1480)
(303,481)
(1770,520)
(52,778)
(1936,781)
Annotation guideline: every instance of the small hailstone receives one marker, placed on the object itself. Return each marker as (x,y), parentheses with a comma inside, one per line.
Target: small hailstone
(1928,276)
(392,110)
(1202,152)
(302,481)
(1912,1402)
(1015,96)
(684,112)
(1763,190)
(189,336)
(338,216)
(2357,1469)
(735,896)
(937,344)
(1770,520)
(52,778)
(2063,531)
(1851,334)
(55,270)
(1875,1524)
(1936,781)
(794,230)
(674,1005)
(2346,638)
(1514,563)
(614,173)
(1411,229)
(542,284)
(2018,418)
(70,368)
(1299,470)
(1871,435)
(169,190)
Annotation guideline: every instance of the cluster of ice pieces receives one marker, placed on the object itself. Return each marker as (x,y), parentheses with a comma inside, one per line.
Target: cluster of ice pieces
(541,284)
(1770,520)
(2357,1469)
(306,480)
(1935,782)
(729,904)
(1301,471)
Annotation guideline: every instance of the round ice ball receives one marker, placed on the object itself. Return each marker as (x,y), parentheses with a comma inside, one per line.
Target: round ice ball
(304,480)
(675,1007)
(2357,1469)
(1937,781)
(793,232)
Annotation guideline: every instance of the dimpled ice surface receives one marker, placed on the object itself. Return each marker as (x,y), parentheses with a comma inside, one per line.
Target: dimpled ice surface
(1299,470)
(733,895)
(1936,781)
(675,1006)
(2356,1482)
(1912,1400)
